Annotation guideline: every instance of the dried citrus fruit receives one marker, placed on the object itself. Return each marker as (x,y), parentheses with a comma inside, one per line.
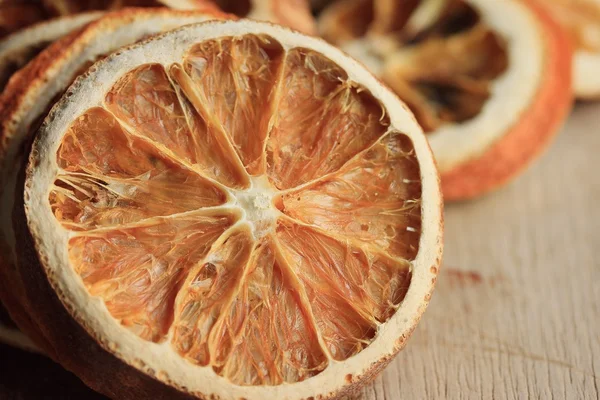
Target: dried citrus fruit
(581,18)
(20,47)
(31,92)
(17,14)
(293,13)
(489,81)
(230,210)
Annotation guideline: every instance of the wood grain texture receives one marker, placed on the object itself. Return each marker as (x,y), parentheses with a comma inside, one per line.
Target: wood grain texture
(516,313)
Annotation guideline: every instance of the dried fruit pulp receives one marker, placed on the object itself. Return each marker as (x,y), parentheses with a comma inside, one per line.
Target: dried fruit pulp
(250,207)
(438,56)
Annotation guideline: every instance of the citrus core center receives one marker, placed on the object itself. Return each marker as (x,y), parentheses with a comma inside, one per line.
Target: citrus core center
(257,205)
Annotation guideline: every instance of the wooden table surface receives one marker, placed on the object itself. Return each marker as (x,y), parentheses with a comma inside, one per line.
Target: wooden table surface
(516,313)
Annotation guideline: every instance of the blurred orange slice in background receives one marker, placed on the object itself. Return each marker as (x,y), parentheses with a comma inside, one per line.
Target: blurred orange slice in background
(489,81)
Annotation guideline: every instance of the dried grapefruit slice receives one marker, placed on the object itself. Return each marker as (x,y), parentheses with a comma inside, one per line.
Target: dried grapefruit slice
(298,276)
(26,101)
(581,18)
(489,81)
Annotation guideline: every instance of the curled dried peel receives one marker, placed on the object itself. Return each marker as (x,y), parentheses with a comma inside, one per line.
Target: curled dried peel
(183,253)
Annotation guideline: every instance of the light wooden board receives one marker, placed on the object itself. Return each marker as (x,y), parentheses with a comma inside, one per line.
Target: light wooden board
(516,313)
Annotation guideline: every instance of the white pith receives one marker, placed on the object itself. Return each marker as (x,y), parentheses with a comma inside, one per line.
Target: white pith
(161,360)
(256,202)
(511,93)
(586,76)
(586,79)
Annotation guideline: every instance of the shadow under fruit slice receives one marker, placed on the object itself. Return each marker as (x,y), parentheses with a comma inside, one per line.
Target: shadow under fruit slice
(489,81)
(25,102)
(293,263)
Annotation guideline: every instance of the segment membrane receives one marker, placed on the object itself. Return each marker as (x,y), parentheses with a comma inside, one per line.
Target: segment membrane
(138,271)
(375,199)
(322,121)
(207,294)
(112,178)
(266,338)
(236,80)
(350,290)
(146,101)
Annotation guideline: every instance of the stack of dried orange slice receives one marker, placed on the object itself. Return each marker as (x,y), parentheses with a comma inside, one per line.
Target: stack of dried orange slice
(26,99)
(489,81)
(228,210)
(33,88)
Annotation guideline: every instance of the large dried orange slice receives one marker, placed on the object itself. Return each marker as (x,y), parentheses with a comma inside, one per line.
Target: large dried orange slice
(34,89)
(581,18)
(489,81)
(230,210)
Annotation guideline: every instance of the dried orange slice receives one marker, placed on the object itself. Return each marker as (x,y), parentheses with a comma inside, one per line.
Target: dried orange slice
(293,13)
(489,81)
(581,18)
(33,89)
(17,14)
(230,210)
(22,46)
